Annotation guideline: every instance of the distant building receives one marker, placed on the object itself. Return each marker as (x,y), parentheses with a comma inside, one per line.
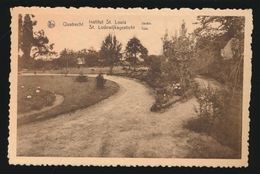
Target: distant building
(81,61)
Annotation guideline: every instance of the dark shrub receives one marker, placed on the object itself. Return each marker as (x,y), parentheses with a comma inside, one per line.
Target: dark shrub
(100,81)
(212,107)
(37,105)
(81,77)
(49,98)
(155,108)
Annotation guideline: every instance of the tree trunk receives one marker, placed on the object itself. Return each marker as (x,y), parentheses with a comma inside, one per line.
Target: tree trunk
(111,70)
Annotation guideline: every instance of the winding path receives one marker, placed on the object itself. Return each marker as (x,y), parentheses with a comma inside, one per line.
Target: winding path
(120,126)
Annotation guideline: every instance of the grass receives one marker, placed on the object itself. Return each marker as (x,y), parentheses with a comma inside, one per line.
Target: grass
(227,131)
(30,99)
(76,95)
(207,147)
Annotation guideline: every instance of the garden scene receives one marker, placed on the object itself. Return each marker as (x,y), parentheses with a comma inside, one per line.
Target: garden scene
(119,100)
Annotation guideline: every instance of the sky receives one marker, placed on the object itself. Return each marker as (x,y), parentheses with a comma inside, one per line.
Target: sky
(81,37)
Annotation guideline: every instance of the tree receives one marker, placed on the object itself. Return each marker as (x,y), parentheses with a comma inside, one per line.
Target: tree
(31,44)
(68,58)
(26,34)
(179,53)
(167,45)
(154,73)
(41,46)
(92,57)
(228,26)
(212,36)
(135,51)
(110,51)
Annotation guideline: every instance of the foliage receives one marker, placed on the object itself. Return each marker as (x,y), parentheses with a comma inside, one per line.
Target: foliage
(41,46)
(41,64)
(100,81)
(92,58)
(32,44)
(154,72)
(135,51)
(213,105)
(25,36)
(110,51)
(68,58)
(231,26)
(179,55)
(219,115)
(212,36)
(81,77)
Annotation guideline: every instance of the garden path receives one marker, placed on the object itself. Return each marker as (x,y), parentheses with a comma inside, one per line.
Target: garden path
(120,126)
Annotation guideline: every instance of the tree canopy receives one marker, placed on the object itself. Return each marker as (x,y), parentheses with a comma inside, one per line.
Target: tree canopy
(135,51)
(110,51)
(32,44)
(178,52)
(228,26)
(214,33)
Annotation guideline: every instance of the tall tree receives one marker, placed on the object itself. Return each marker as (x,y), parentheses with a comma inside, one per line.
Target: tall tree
(179,53)
(68,58)
(92,57)
(110,51)
(167,45)
(135,51)
(32,44)
(26,34)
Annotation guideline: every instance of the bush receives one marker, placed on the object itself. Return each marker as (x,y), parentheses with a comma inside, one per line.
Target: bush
(213,105)
(100,81)
(219,115)
(81,77)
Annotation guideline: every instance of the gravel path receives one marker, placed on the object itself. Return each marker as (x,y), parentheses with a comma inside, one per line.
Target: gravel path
(120,126)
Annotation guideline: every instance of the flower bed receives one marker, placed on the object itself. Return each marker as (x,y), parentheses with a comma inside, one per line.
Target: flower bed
(30,99)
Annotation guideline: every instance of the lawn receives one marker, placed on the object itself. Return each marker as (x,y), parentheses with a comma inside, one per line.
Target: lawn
(76,95)
(33,98)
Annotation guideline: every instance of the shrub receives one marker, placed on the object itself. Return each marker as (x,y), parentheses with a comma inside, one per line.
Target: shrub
(212,107)
(81,77)
(219,115)
(100,81)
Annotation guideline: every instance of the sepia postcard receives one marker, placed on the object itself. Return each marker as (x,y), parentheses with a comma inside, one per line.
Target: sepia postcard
(130,87)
